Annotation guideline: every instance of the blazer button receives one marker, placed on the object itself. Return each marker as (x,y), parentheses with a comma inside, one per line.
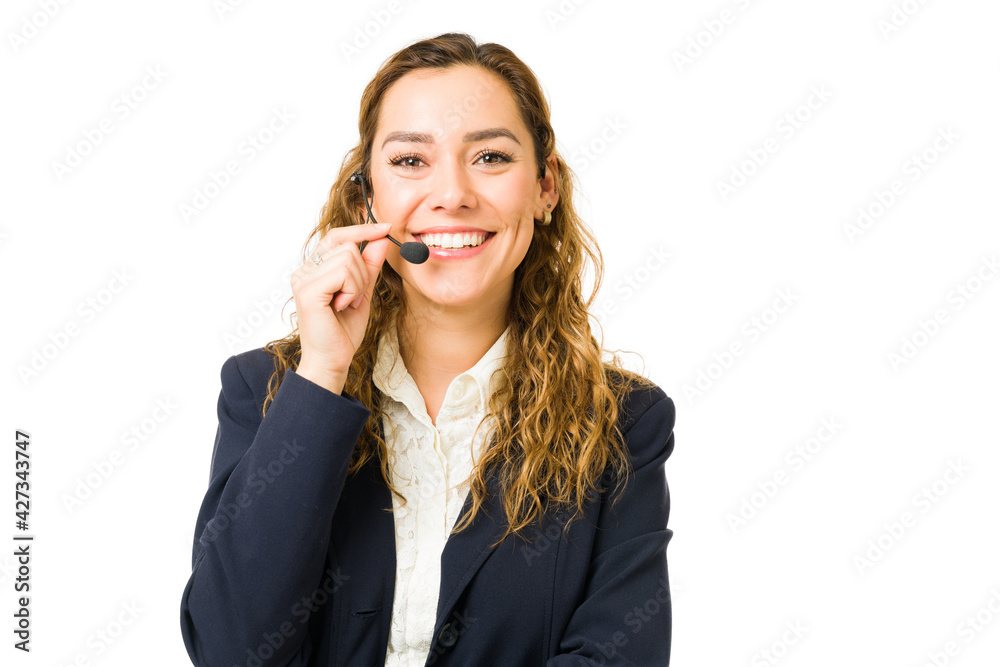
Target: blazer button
(448,636)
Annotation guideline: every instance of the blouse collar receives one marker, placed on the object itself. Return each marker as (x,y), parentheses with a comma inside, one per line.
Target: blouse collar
(472,387)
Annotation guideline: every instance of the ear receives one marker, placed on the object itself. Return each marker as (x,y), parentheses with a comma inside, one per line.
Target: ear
(548,194)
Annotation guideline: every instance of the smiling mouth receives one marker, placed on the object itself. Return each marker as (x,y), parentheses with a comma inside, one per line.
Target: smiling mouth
(454,241)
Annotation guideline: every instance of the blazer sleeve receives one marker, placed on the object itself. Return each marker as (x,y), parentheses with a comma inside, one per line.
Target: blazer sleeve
(624,616)
(263,530)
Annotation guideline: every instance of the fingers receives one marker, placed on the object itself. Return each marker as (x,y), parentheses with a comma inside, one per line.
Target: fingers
(373,258)
(344,276)
(364,272)
(351,234)
(355,280)
(331,251)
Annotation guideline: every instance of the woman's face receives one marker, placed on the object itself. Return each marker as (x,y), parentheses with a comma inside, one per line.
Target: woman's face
(454,166)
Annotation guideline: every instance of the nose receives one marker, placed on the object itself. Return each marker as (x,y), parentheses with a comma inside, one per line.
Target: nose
(451,187)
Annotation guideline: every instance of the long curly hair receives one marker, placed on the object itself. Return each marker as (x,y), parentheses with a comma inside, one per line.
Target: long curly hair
(554,434)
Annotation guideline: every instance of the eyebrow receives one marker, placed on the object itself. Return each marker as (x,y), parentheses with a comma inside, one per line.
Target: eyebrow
(478,135)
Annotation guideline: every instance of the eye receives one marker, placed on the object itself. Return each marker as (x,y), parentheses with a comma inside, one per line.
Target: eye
(405,160)
(492,156)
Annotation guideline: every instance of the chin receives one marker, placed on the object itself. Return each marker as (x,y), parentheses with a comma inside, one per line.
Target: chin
(451,289)
(446,293)
(451,299)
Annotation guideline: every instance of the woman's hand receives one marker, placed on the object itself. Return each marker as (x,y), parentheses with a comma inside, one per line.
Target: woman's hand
(333,300)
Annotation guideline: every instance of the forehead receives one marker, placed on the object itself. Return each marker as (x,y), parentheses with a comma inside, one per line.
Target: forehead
(449,101)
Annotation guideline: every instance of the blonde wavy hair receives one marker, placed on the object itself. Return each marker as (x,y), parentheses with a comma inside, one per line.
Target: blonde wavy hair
(555,437)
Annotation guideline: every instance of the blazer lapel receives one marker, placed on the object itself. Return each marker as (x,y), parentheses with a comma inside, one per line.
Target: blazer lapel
(465,552)
(461,558)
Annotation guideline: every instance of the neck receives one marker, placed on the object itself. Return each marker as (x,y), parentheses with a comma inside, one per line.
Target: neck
(439,342)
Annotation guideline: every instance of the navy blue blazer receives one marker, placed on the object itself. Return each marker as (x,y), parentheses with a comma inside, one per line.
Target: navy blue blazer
(294,563)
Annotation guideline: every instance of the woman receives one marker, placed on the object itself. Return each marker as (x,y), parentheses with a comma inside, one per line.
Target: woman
(437,466)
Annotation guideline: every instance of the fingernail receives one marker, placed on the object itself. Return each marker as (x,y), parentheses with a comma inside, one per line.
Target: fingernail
(357,302)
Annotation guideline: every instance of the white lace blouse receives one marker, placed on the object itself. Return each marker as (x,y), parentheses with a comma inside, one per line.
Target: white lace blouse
(431,468)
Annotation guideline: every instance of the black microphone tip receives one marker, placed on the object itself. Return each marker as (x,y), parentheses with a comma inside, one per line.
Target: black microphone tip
(414,253)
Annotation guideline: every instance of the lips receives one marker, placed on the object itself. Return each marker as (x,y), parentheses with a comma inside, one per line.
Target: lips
(453,238)
(446,240)
(456,253)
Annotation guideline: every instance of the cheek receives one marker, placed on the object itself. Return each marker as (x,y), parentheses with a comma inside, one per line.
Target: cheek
(523,229)
(395,208)
(513,204)
(519,194)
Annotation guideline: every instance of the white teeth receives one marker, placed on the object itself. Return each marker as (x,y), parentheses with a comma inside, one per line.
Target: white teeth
(446,240)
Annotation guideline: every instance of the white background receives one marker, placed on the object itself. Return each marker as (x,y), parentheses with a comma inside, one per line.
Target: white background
(662,135)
